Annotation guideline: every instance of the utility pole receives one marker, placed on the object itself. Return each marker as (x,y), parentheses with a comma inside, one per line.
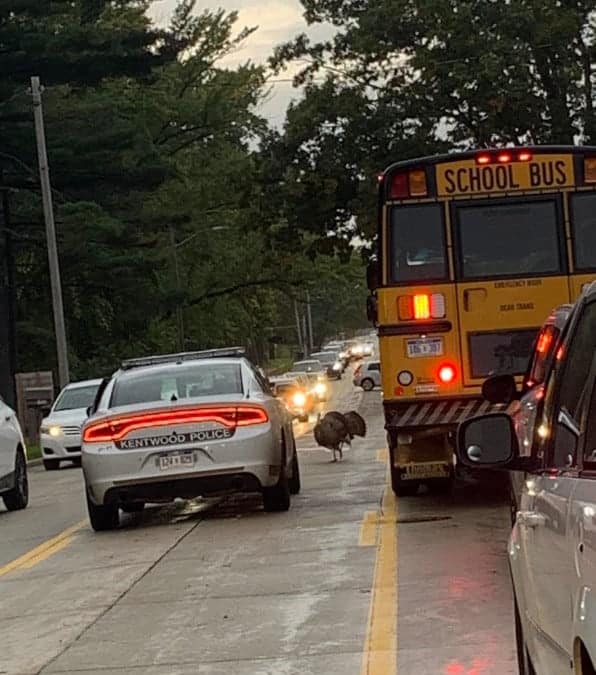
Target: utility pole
(309,313)
(8,307)
(179,314)
(299,329)
(48,212)
(305,336)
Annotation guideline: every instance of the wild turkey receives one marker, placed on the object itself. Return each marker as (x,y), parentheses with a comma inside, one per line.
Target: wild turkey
(335,430)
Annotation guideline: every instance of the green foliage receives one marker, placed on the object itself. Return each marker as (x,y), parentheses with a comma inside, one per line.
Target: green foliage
(164,209)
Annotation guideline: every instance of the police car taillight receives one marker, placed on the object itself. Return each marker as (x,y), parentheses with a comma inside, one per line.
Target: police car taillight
(118,427)
(421,307)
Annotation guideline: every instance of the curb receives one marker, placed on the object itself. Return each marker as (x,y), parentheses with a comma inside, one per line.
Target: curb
(35,462)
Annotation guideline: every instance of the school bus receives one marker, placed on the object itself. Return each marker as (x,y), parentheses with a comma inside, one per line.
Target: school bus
(474,251)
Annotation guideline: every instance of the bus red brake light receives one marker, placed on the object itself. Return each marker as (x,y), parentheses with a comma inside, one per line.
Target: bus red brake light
(400,186)
(421,307)
(117,427)
(447,373)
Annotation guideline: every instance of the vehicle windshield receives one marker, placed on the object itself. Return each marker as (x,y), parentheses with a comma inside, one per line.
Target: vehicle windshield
(76,398)
(417,243)
(176,383)
(501,240)
(306,366)
(327,357)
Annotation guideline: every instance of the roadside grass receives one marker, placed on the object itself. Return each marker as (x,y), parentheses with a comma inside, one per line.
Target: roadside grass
(33,452)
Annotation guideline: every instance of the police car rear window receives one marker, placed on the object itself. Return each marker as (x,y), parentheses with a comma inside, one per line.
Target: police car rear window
(180,382)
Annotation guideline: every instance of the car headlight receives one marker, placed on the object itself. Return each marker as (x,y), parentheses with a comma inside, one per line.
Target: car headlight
(320,388)
(343,355)
(337,366)
(54,430)
(299,399)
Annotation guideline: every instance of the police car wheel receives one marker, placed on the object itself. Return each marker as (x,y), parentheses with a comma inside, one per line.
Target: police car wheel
(277,498)
(18,498)
(103,517)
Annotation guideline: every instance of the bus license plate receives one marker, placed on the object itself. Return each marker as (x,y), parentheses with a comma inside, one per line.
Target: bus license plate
(425,470)
(176,459)
(428,347)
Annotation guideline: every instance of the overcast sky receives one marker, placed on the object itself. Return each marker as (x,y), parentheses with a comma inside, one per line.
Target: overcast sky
(277,22)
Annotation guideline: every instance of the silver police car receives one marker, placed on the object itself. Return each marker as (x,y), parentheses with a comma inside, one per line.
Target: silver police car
(186,425)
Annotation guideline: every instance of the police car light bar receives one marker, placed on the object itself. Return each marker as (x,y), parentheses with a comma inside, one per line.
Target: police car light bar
(227,352)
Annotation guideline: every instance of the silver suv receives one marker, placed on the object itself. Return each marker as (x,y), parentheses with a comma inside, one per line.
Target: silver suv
(186,425)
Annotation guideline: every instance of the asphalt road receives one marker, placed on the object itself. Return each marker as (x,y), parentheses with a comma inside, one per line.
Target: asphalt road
(348,581)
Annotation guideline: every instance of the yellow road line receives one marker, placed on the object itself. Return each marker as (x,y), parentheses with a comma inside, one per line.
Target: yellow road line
(43,551)
(380,646)
(368,529)
(382,455)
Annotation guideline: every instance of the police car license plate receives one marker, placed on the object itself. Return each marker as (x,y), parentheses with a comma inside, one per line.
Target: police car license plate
(425,470)
(424,347)
(176,459)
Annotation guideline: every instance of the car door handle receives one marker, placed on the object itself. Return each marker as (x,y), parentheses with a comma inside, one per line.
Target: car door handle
(531,519)
(8,418)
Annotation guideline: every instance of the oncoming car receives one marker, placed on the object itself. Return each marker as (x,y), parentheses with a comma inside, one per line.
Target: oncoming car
(296,395)
(60,432)
(186,425)
(316,373)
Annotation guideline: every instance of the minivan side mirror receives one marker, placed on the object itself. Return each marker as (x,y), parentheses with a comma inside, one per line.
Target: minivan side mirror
(500,389)
(488,441)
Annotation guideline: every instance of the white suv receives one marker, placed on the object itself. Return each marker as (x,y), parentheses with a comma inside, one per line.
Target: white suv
(14,488)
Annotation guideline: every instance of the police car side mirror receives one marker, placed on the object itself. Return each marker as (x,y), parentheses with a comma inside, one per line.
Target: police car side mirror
(488,441)
(500,389)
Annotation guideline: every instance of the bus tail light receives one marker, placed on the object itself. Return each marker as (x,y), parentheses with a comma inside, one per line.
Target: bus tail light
(447,373)
(406,184)
(590,170)
(421,307)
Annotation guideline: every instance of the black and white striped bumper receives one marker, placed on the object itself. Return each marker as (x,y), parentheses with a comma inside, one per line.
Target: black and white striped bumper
(447,412)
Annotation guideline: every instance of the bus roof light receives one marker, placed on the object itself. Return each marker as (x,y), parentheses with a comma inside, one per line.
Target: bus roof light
(483,159)
(524,156)
(504,157)
(590,170)
(422,307)
(400,188)
(418,183)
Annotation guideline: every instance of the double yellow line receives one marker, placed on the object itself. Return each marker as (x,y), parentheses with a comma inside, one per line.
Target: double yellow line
(380,529)
(43,551)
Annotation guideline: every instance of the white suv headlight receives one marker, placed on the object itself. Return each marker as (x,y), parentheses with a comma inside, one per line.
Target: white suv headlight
(54,430)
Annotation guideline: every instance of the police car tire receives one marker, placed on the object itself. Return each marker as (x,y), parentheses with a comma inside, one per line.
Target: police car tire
(277,498)
(133,507)
(367,384)
(51,464)
(18,498)
(103,517)
(294,482)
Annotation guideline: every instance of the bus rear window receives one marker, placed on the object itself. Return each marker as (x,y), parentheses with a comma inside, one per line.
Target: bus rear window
(508,240)
(417,243)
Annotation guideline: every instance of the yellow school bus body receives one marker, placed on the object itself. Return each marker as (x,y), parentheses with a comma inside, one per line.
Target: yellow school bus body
(484,318)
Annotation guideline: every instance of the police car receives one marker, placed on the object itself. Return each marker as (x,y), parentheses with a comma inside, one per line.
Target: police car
(186,425)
